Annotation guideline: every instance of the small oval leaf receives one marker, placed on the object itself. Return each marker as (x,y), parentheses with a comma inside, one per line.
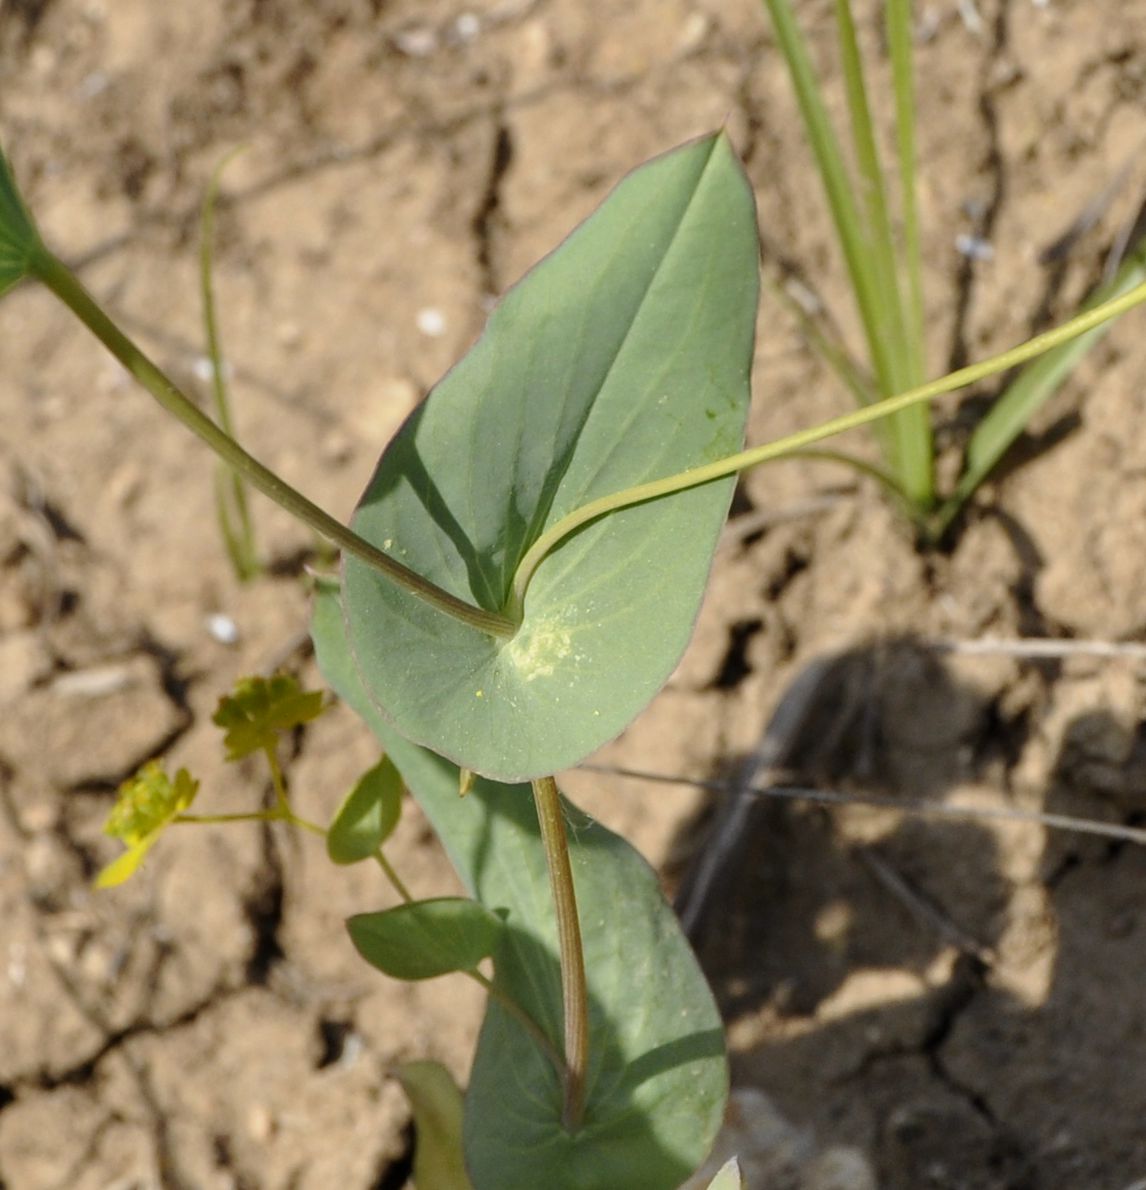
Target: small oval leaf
(368,816)
(425,939)
(438,1160)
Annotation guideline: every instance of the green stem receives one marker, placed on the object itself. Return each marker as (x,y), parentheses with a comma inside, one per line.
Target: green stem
(574,991)
(59,279)
(255,816)
(523,1018)
(391,875)
(282,802)
(733,464)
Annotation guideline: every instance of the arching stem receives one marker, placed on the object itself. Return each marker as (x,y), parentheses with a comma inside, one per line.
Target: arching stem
(734,464)
(64,284)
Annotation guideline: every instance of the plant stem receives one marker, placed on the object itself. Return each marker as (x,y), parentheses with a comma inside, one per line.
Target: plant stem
(282,802)
(63,283)
(574,992)
(255,816)
(396,881)
(733,464)
(523,1018)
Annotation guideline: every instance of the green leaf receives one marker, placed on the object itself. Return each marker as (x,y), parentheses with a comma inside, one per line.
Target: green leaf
(658,1078)
(260,708)
(437,1103)
(367,817)
(622,357)
(19,240)
(425,939)
(728,1177)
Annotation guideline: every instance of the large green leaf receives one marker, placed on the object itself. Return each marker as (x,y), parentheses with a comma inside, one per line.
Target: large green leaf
(658,1078)
(622,357)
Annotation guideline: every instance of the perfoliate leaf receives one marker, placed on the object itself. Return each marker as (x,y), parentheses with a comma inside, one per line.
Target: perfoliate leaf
(437,1103)
(425,939)
(368,815)
(19,240)
(623,357)
(658,1078)
(260,709)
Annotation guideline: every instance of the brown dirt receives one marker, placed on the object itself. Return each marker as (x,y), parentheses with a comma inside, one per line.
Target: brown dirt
(208,1026)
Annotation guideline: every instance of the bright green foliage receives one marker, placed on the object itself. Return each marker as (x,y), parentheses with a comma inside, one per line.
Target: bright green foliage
(622,357)
(367,817)
(658,1078)
(424,939)
(19,240)
(437,1104)
(260,709)
(146,803)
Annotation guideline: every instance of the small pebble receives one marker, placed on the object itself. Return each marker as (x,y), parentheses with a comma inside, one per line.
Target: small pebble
(204,370)
(222,628)
(17,967)
(93,683)
(974,247)
(694,32)
(93,84)
(467,27)
(432,322)
(260,1123)
(416,43)
(62,949)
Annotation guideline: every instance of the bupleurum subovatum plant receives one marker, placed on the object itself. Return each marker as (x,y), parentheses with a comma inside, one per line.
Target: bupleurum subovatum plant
(520,578)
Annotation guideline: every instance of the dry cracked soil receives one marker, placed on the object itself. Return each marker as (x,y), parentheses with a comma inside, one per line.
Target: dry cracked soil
(912,1002)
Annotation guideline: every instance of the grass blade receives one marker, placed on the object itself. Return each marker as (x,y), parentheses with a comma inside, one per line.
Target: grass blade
(833,174)
(230,490)
(910,429)
(899,42)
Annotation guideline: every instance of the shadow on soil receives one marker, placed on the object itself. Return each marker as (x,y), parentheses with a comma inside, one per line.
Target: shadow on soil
(898,983)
